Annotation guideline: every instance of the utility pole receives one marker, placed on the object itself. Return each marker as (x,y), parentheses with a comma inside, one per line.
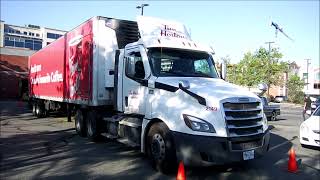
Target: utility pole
(269,42)
(269,59)
(141,7)
(308,71)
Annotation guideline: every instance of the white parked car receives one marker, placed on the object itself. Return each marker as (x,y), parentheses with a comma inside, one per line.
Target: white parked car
(310,130)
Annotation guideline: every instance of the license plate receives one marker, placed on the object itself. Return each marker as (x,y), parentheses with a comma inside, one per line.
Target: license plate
(248,155)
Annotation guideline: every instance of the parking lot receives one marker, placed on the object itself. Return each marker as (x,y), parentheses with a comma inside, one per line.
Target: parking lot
(49,148)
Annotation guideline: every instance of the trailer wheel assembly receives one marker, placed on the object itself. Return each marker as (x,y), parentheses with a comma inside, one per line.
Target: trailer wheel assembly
(79,120)
(34,106)
(92,125)
(39,110)
(161,149)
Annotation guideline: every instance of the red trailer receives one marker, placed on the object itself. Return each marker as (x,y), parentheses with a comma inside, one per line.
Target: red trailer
(61,71)
(78,68)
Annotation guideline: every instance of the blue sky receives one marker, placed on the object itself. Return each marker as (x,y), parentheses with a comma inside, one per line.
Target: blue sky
(231,27)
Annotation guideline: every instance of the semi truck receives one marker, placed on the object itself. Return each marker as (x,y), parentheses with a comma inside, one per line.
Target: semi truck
(147,84)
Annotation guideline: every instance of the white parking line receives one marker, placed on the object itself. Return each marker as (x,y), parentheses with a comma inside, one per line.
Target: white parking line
(283,143)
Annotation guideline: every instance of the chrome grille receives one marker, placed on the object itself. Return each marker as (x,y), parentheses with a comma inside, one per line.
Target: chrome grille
(243,118)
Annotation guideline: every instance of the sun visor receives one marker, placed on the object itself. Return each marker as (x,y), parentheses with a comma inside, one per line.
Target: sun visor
(155,28)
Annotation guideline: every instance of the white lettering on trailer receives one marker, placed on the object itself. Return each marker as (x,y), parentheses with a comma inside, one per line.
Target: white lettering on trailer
(35,68)
(48,78)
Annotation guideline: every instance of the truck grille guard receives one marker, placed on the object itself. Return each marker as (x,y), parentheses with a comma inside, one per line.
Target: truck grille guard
(243,120)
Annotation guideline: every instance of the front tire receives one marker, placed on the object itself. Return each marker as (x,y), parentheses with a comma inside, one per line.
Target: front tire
(79,120)
(161,149)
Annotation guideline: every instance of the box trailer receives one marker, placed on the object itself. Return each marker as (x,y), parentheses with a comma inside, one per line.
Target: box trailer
(146,83)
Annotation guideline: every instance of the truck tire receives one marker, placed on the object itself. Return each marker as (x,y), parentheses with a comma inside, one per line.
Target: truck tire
(92,126)
(161,149)
(273,116)
(40,111)
(79,121)
(34,106)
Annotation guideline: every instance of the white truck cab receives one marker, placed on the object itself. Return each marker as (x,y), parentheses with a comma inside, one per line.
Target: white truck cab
(172,83)
(148,84)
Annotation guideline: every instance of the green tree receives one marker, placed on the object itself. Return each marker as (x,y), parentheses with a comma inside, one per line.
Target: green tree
(295,86)
(259,67)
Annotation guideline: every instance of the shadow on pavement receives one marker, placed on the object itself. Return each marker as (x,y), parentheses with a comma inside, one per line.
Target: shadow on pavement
(64,155)
(61,154)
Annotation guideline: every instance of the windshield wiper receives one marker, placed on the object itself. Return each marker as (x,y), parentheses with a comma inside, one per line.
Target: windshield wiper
(202,74)
(175,73)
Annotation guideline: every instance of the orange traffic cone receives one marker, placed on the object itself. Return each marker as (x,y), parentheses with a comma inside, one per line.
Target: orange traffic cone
(181,174)
(292,163)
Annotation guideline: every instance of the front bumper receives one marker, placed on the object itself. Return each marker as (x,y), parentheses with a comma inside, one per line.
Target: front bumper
(310,138)
(196,150)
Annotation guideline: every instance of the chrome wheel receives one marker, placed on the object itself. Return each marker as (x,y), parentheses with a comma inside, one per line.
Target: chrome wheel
(158,147)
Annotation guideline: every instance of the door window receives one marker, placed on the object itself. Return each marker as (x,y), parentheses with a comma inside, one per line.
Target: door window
(134,66)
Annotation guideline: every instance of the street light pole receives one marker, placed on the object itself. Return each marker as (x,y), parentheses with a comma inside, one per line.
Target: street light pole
(141,7)
(308,72)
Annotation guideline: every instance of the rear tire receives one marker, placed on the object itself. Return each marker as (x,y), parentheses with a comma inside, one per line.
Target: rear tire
(39,110)
(34,106)
(92,126)
(161,149)
(79,120)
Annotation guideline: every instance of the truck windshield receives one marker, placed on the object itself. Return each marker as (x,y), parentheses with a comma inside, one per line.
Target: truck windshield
(182,63)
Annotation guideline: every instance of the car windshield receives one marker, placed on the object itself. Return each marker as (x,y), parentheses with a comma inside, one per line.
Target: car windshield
(317,112)
(166,62)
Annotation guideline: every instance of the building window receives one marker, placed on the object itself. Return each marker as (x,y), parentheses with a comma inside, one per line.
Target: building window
(10,30)
(9,43)
(25,33)
(53,35)
(17,32)
(316,85)
(19,42)
(37,35)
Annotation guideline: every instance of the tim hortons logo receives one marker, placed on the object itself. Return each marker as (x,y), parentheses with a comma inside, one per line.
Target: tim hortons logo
(171,32)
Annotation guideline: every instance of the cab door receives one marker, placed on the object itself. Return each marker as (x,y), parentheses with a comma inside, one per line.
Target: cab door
(134,83)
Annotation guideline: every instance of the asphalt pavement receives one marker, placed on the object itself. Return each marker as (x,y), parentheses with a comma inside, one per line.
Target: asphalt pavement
(48,148)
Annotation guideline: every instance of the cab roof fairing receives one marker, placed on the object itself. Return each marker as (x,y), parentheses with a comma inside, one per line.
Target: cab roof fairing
(175,44)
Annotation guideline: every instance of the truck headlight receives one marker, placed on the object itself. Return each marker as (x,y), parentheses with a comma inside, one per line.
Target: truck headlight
(198,124)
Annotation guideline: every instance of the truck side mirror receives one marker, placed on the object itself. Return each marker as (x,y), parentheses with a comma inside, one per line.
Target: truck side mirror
(223,70)
(184,84)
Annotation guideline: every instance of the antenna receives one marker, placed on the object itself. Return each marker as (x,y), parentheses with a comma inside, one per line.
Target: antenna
(280,29)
